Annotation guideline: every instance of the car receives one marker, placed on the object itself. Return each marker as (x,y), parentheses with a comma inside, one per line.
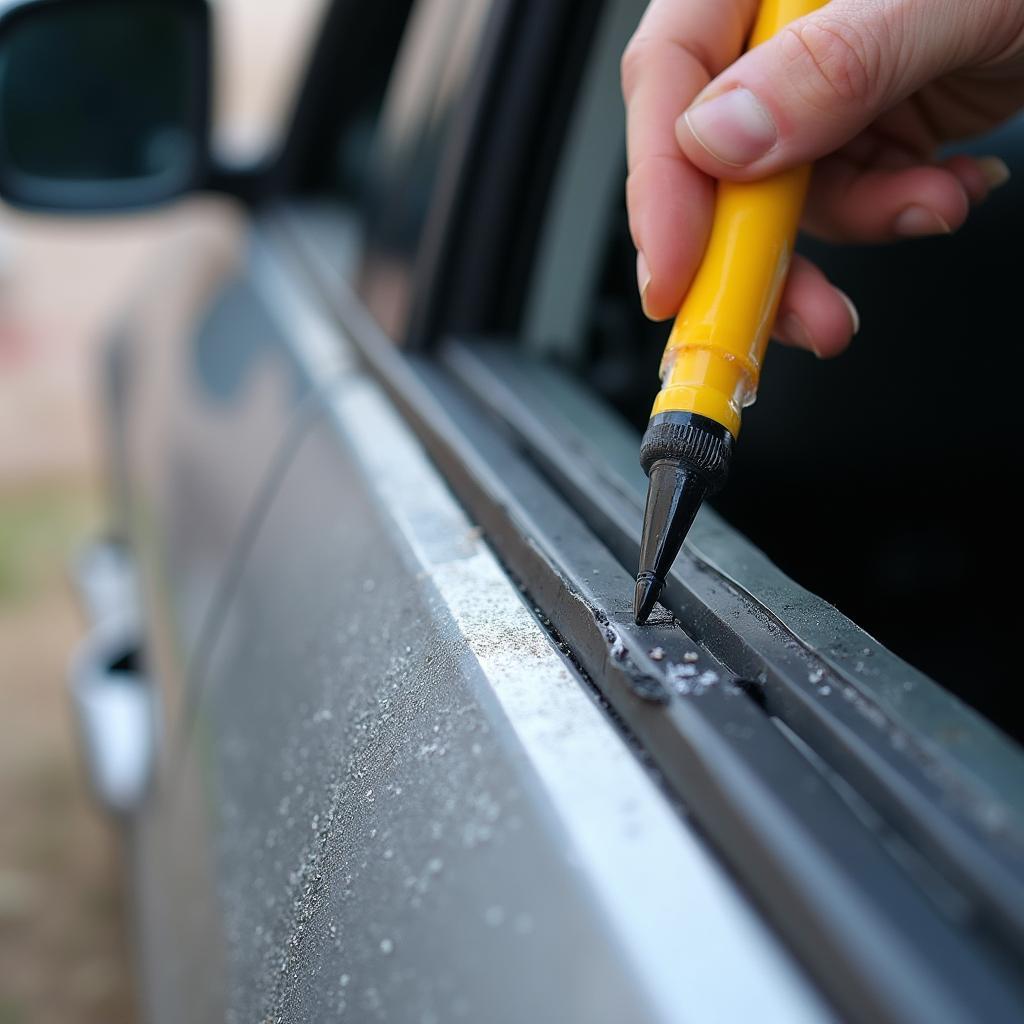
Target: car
(364,691)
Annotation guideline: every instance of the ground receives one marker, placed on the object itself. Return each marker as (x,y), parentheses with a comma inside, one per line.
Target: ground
(63,949)
(65,953)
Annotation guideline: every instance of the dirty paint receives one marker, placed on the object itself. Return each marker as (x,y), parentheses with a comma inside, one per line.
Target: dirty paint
(650,872)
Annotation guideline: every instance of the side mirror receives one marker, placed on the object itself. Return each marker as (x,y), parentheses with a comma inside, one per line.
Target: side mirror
(104,104)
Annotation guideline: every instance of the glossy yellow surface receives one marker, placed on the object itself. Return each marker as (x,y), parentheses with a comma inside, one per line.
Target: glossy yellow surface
(713,358)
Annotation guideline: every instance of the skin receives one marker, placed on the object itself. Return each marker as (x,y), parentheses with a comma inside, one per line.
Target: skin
(869,89)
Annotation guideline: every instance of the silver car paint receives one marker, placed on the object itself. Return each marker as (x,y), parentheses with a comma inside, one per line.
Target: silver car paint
(396,800)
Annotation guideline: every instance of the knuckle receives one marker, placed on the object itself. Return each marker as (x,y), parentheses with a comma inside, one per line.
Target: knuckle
(647,53)
(843,61)
(634,57)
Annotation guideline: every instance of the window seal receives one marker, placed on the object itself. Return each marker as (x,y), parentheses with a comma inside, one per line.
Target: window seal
(945,777)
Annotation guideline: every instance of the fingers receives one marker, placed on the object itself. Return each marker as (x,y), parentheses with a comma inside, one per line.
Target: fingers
(894,197)
(980,176)
(676,49)
(849,204)
(670,208)
(813,314)
(886,201)
(820,81)
(807,93)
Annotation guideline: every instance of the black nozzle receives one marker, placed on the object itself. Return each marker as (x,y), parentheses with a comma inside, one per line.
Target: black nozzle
(686,458)
(648,589)
(674,495)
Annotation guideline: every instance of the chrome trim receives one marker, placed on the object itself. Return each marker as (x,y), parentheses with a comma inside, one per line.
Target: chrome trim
(111,698)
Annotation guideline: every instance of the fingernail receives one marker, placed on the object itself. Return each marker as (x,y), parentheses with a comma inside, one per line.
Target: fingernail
(793,330)
(643,279)
(851,308)
(918,221)
(995,170)
(733,127)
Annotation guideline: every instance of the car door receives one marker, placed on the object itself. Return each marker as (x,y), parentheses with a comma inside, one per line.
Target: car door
(424,766)
(387,781)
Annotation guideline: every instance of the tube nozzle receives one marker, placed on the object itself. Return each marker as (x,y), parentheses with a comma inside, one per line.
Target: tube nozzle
(686,458)
(674,495)
(648,590)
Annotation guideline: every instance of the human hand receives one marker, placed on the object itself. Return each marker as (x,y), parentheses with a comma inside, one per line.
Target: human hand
(867,88)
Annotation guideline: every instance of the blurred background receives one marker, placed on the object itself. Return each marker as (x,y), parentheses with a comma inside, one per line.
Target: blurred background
(63,952)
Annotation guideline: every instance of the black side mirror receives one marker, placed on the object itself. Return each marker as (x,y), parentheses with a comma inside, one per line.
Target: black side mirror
(104,104)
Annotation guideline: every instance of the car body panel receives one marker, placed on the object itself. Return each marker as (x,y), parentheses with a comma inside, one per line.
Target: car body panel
(206,390)
(396,795)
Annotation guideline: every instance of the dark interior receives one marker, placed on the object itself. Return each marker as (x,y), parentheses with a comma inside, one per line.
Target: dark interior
(886,480)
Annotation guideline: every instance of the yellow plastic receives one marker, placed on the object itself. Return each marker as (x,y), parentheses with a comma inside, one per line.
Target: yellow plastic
(713,358)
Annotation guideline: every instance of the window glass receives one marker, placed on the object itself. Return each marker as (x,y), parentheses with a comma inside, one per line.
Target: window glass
(327,160)
(585,209)
(357,89)
(581,307)
(432,68)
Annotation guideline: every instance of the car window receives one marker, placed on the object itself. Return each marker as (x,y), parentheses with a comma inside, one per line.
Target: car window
(373,34)
(324,165)
(580,307)
(369,135)
(433,65)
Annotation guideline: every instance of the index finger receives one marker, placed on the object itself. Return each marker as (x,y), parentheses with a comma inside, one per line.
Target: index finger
(678,47)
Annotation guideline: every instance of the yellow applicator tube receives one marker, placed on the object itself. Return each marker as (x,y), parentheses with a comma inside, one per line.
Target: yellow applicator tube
(714,354)
(713,358)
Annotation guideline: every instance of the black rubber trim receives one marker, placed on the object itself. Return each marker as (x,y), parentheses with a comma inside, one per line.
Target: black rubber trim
(817,673)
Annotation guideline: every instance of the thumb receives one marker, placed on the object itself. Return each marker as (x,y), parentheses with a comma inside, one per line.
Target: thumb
(820,81)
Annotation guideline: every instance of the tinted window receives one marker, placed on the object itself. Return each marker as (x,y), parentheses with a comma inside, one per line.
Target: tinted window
(325,164)
(369,37)
(434,63)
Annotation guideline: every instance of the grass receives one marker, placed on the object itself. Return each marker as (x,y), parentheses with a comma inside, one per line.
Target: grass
(63,949)
(40,527)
